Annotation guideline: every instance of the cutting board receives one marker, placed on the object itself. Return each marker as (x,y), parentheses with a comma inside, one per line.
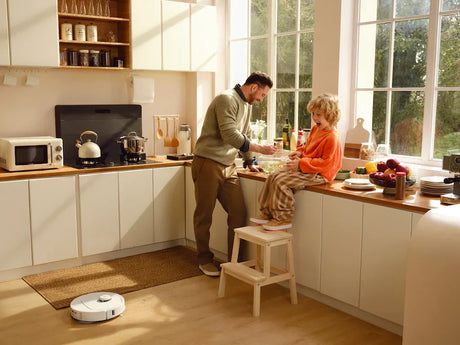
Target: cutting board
(355,137)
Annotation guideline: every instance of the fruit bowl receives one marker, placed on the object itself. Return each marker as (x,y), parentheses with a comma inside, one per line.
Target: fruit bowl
(389,183)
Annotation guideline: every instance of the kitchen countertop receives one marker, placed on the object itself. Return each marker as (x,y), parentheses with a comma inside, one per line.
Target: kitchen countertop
(415,201)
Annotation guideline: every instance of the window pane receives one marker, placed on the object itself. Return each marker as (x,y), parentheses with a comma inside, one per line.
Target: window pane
(259,57)
(238,18)
(307,14)
(448,5)
(407,123)
(371,106)
(287,15)
(374,43)
(284,109)
(371,10)
(285,63)
(411,38)
(306,60)
(259,17)
(259,111)
(238,62)
(304,115)
(405,8)
(449,59)
(447,135)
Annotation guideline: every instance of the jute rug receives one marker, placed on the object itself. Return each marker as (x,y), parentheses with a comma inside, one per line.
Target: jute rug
(122,275)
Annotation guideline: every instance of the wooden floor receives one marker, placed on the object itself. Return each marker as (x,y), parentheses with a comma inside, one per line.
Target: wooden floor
(186,312)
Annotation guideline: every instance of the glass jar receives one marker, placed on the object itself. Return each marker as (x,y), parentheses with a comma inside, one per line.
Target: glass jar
(73,58)
(63,56)
(367,152)
(94,58)
(105,58)
(84,57)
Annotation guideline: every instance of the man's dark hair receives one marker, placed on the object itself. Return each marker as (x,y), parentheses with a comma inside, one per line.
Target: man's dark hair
(260,78)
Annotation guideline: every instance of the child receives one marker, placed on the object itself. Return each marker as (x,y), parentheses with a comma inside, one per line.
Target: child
(315,163)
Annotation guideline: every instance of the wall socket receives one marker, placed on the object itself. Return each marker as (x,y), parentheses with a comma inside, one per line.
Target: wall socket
(10,80)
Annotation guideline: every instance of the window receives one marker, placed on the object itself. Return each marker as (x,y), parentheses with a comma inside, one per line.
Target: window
(408,75)
(277,38)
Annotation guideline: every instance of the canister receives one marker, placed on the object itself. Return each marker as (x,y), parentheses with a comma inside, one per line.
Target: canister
(94,58)
(91,33)
(80,32)
(105,58)
(73,58)
(84,57)
(63,55)
(66,32)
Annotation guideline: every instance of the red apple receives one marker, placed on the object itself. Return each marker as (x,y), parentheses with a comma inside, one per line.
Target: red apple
(402,168)
(390,180)
(381,166)
(377,175)
(392,163)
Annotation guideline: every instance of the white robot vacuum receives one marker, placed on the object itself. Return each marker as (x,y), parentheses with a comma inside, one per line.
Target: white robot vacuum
(97,306)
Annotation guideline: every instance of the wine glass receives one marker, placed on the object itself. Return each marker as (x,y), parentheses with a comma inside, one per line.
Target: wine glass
(106,11)
(91,9)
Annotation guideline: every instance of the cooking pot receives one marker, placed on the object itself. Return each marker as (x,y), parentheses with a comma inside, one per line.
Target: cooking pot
(88,149)
(132,143)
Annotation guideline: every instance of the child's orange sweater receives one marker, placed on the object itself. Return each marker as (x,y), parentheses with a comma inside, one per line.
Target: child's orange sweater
(322,153)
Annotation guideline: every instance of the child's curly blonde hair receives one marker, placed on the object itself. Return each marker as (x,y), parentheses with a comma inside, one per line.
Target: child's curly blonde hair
(329,104)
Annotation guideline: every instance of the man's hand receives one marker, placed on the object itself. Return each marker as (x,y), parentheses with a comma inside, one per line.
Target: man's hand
(255,168)
(264,149)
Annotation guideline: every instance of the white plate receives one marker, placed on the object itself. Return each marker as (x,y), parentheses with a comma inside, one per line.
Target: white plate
(359,187)
(357,181)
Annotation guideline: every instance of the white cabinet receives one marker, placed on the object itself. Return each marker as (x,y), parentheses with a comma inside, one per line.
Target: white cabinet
(99,213)
(53,218)
(306,229)
(218,230)
(386,235)
(203,37)
(176,36)
(33,33)
(15,245)
(146,34)
(4,41)
(169,203)
(136,207)
(341,248)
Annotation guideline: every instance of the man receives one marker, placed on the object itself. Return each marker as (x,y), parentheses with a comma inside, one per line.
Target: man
(225,132)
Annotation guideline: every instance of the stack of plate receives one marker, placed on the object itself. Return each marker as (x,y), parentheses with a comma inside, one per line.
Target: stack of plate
(358,183)
(435,186)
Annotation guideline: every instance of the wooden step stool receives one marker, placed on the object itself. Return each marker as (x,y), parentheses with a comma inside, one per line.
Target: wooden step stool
(257,272)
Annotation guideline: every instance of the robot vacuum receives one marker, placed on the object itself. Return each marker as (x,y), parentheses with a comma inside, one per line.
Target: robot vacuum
(97,306)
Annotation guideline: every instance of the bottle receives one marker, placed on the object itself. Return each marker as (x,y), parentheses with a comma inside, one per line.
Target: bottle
(400,185)
(300,138)
(286,133)
(293,141)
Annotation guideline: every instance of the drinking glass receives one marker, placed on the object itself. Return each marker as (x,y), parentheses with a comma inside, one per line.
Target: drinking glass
(64,8)
(91,9)
(382,152)
(106,12)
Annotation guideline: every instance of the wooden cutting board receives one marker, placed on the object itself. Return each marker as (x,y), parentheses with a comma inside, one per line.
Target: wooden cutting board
(355,137)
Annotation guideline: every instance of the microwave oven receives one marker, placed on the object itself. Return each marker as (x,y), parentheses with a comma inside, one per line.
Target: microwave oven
(31,153)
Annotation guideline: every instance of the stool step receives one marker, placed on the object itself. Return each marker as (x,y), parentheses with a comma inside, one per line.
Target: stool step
(258,235)
(243,272)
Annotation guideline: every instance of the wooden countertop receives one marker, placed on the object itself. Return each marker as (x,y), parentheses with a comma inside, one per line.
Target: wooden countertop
(415,201)
(66,170)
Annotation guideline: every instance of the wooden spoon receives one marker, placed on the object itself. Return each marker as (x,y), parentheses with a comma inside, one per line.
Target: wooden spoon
(167,137)
(175,141)
(159,131)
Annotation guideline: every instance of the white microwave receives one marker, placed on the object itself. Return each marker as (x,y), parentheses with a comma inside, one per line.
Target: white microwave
(31,153)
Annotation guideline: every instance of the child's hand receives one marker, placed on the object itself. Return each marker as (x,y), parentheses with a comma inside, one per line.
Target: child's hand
(295,155)
(293,165)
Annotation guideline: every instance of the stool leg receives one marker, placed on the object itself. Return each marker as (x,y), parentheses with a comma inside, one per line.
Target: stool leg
(256,300)
(236,248)
(258,257)
(267,260)
(222,282)
(292,284)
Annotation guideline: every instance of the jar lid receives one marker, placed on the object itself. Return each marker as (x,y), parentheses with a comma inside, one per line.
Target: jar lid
(400,173)
(84,51)
(94,51)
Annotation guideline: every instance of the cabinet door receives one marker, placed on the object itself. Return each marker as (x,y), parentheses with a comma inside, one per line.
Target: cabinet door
(341,249)
(203,38)
(169,203)
(99,213)
(386,235)
(136,207)
(15,246)
(306,228)
(4,41)
(33,33)
(176,36)
(53,216)
(146,34)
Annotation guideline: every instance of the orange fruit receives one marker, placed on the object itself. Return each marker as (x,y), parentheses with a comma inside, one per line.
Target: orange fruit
(389,171)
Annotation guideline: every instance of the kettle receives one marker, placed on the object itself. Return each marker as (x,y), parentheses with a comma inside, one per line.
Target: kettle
(88,149)
(185,136)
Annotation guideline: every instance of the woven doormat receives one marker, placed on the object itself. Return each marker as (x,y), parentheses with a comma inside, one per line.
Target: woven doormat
(120,276)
